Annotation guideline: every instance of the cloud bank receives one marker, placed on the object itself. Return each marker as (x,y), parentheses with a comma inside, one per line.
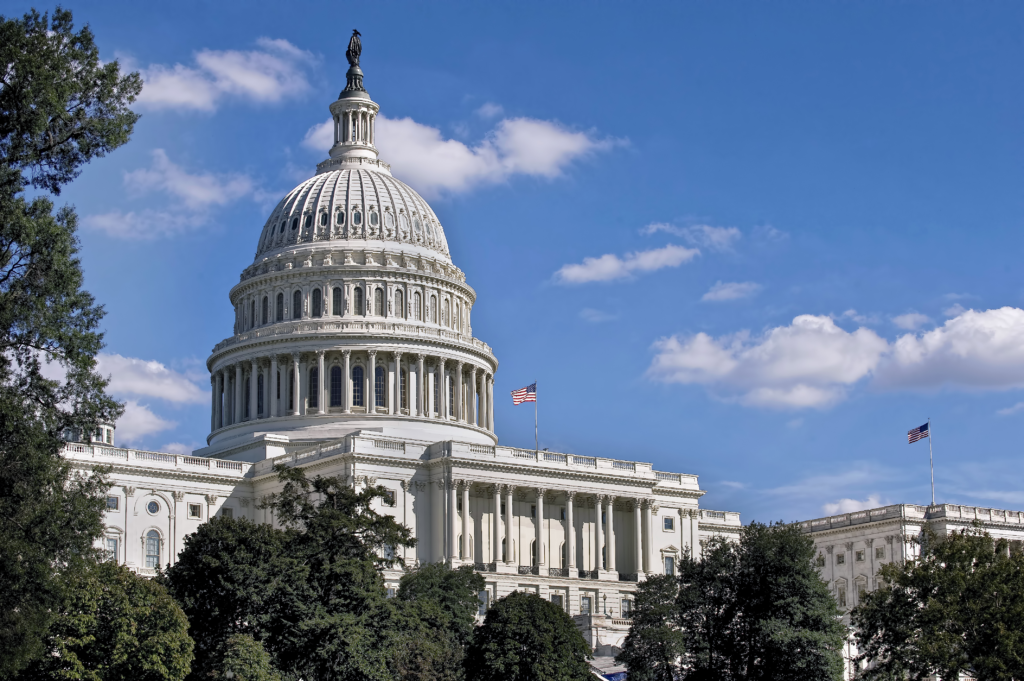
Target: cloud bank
(610,266)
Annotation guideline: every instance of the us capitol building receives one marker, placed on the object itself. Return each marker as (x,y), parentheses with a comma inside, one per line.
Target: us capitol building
(353,355)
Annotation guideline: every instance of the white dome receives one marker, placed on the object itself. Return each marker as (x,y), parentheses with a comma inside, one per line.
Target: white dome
(361,207)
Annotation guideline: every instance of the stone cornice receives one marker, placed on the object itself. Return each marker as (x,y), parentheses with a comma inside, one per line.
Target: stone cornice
(165,474)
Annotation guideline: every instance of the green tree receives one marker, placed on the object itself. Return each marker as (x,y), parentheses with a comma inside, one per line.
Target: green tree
(59,108)
(750,610)
(957,609)
(115,626)
(525,638)
(436,614)
(245,659)
(655,642)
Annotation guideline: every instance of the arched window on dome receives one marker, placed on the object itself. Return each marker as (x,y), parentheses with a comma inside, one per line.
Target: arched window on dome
(433,310)
(283,225)
(248,395)
(323,219)
(280,308)
(447,312)
(259,395)
(265,311)
(335,386)
(336,301)
(295,224)
(316,304)
(379,387)
(374,220)
(357,301)
(252,314)
(357,217)
(403,400)
(309,221)
(399,305)
(314,388)
(357,387)
(339,218)
(416,304)
(378,302)
(297,305)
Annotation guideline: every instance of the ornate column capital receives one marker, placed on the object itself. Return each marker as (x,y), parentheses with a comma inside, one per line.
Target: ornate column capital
(346,353)
(570,495)
(211,499)
(320,354)
(129,491)
(828,549)
(869,542)
(178,496)
(849,546)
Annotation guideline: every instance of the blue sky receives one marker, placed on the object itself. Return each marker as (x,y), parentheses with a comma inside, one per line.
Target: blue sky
(753,241)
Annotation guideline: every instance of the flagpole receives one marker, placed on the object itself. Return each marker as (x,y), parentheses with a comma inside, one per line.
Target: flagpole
(931,461)
(536,437)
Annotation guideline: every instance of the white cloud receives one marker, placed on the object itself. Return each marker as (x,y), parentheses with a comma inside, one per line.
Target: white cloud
(954,310)
(769,233)
(591,315)
(610,266)
(911,321)
(852,505)
(273,72)
(1011,410)
(180,448)
(195,191)
(859,318)
(131,376)
(706,236)
(138,421)
(975,350)
(809,363)
(490,110)
(320,137)
(731,291)
(144,225)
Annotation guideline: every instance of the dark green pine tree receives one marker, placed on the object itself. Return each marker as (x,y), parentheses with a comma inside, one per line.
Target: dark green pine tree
(59,108)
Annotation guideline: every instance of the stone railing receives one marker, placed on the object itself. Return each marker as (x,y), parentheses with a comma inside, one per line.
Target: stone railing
(161,460)
(720,517)
(629,577)
(866,516)
(529,570)
(588,574)
(558,572)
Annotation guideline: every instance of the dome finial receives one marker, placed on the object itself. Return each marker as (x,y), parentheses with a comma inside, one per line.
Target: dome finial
(354,77)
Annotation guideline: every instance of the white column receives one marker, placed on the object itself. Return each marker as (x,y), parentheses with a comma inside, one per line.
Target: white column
(213,402)
(296,383)
(570,534)
(482,416)
(442,392)
(509,557)
(371,406)
(421,385)
(647,537)
(638,542)
(274,409)
(398,385)
(610,509)
(695,534)
(457,393)
(496,535)
(472,411)
(539,524)
(600,532)
(320,401)
(465,521)
(453,525)
(253,370)
(346,381)
(238,394)
(221,380)
(490,404)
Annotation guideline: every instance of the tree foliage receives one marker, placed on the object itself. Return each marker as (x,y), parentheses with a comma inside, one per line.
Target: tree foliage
(59,108)
(957,609)
(525,638)
(749,610)
(310,593)
(115,626)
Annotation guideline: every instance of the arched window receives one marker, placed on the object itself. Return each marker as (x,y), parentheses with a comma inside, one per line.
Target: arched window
(357,300)
(379,386)
(323,219)
(295,224)
(283,224)
(447,312)
(357,218)
(336,301)
(259,395)
(280,308)
(357,387)
(252,314)
(297,305)
(339,217)
(152,549)
(402,390)
(378,302)
(314,388)
(433,309)
(309,221)
(335,386)
(316,302)
(291,390)
(416,306)
(265,312)
(399,305)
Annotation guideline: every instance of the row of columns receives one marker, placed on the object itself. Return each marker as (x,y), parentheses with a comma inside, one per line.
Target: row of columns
(473,403)
(643,544)
(354,127)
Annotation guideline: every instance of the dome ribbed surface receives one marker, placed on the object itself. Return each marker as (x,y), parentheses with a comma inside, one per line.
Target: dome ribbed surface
(374,207)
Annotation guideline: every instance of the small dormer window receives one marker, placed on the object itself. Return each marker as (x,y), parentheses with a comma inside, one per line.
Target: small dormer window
(373,219)
(389,220)
(283,225)
(295,224)
(357,218)
(340,218)
(309,221)
(323,219)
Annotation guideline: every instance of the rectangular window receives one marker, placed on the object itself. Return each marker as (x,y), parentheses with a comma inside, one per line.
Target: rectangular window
(110,436)
(389,498)
(584,605)
(111,549)
(391,592)
(627,608)
(669,523)
(195,511)
(112,503)
(880,553)
(859,556)
(670,565)
(861,590)
(485,598)
(503,508)
(458,505)
(557,600)
(841,596)
(229,513)
(840,559)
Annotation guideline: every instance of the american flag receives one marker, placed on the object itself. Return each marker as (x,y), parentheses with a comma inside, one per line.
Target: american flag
(915,434)
(527,394)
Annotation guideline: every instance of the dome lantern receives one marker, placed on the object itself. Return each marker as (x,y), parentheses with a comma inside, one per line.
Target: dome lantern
(354,116)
